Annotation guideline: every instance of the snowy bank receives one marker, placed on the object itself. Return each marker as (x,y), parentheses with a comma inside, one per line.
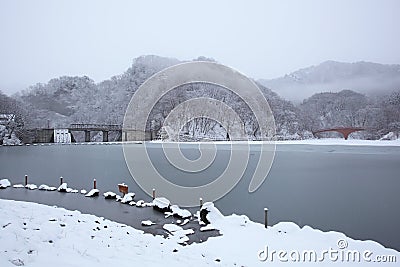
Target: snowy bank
(342,142)
(322,141)
(39,235)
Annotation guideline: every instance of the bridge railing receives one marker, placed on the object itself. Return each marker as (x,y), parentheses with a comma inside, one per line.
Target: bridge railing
(89,126)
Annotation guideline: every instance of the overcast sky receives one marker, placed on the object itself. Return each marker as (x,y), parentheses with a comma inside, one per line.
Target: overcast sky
(43,39)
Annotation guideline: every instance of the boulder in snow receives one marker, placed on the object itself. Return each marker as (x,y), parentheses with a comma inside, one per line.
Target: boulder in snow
(208,227)
(62,188)
(46,187)
(31,186)
(172,227)
(110,195)
(209,213)
(127,198)
(140,203)
(180,213)
(43,187)
(147,223)
(4,183)
(92,193)
(161,204)
(389,136)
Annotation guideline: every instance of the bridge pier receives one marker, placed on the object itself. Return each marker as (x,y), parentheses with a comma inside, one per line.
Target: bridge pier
(87,136)
(105,136)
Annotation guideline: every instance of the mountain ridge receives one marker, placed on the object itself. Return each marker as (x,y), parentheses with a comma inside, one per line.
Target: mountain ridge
(333,76)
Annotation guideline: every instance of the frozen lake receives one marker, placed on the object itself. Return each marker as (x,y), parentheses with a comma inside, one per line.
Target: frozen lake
(351,189)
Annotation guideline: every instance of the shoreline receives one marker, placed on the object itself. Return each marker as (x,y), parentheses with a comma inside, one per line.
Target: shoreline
(35,235)
(318,142)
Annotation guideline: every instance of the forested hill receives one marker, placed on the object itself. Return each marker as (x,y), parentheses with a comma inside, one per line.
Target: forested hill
(66,100)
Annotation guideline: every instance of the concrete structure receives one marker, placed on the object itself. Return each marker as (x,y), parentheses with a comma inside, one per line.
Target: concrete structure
(50,135)
(62,136)
(88,128)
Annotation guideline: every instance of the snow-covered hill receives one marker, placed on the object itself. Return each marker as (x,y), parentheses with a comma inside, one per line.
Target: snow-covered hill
(332,76)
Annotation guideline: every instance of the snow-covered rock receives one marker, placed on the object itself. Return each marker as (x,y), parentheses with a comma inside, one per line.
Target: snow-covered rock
(110,195)
(140,203)
(209,213)
(4,183)
(43,187)
(177,233)
(127,198)
(147,223)
(181,213)
(31,186)
(184,222)
(208,227)
(47,188)
(63,187)
(389,136)
(161,204)
(170,227)
(92,193)
(68,190)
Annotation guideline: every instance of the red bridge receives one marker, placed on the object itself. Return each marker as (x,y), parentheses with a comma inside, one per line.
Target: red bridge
(344,131)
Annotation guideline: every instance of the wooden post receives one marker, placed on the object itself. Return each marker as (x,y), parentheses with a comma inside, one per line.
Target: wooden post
(201,202)
(266,217)
(154,193)
(94,184)
(61,180)
(26,180)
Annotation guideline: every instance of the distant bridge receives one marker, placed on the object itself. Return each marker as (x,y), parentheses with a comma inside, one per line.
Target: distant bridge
(87,128)
(345,131)
(46,135)
(94,127)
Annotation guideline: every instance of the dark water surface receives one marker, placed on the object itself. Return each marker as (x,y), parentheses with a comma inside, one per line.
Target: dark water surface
(351,189)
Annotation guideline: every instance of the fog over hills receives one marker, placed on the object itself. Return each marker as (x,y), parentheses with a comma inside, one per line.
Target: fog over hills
(338,95)
(332,76)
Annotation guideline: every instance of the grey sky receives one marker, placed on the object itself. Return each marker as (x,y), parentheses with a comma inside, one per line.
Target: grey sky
(44,39)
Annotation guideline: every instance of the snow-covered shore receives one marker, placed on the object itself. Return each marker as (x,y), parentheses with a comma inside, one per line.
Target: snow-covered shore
(322,141)
(326,141)
(342,142)
(39,235)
